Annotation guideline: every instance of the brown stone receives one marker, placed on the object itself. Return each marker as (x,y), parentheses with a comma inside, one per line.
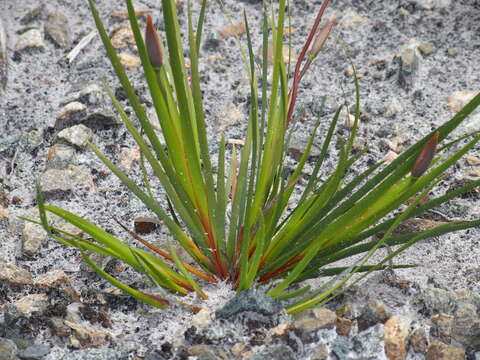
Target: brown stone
(441,351)
(86,336)
(442,328)
(145,225)
(232,30)
(15,275)
(343,326)
(419,340)
(131,62)
(122,37)
(395,334)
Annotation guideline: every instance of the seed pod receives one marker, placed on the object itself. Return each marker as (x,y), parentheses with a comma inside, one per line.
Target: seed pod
(152,42)
(426,156)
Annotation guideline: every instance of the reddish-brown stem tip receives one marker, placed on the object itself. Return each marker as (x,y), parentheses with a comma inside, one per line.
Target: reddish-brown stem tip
(152,42)
(426,156)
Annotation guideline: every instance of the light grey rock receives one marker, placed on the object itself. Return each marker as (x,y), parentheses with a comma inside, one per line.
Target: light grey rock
(59,181)
(425,48)
(438,301)
(15,275)
(32,140)
(91,95)
(366,345)
(60,156)
(8,349)
(409,65)
(433,4)
(31,39)
(34,352)
(78,135)
(393,108)
(30,303)
(96,354)
(458,99)
(466,326)
(207,352)
(351,20)
(57,29)
(275,352)
(33,237)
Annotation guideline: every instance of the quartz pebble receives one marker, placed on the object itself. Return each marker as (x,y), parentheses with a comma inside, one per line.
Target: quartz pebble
(31,39)
(78,135)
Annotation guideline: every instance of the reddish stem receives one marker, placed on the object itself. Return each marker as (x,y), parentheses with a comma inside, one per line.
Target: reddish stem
(297,75)
(281,269)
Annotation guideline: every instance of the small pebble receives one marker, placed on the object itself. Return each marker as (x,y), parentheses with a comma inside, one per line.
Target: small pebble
(31,39)
(58,30)
(232,30)
(131,62)
(78,135)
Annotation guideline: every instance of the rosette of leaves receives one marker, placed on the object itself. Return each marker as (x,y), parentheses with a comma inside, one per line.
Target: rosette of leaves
(233,220)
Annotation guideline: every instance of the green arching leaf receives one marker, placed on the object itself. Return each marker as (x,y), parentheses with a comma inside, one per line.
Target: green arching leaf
(146,298)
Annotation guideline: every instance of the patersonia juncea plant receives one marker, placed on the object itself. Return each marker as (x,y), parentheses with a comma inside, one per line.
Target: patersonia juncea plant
(233,219)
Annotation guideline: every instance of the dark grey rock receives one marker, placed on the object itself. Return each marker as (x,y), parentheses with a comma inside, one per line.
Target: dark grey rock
(34,352)
(96,354)
(366,345)
(58,327)
(3,57)
(212,43)
(373,313)
(250,300)
(13,326)
(58,30)
(8,349)
(32,15)
(298,144)
(102,117)
(276,352)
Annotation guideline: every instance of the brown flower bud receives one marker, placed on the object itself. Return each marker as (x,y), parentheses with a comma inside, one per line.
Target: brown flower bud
(426,156)
(152,42)
(322,36)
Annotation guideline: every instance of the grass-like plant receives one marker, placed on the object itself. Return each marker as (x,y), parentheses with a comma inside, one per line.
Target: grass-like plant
(234,219)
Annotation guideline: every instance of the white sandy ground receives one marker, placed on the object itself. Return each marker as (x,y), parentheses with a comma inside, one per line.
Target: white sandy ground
(451,261)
